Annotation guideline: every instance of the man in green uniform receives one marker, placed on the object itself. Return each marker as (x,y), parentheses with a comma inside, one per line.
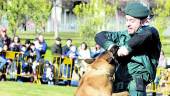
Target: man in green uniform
(139,50)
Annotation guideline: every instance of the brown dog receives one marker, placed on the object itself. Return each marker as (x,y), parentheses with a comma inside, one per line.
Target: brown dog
(98,79)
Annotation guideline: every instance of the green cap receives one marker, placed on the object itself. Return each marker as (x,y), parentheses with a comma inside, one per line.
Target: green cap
(137,10)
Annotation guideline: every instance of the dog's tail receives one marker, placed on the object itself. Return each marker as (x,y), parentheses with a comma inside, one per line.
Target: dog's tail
(124,93)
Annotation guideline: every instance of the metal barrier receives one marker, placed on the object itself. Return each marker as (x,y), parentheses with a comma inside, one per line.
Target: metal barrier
(39,70)
(65,69)
(161,84)
(56,61)
(15,57)
(14,69)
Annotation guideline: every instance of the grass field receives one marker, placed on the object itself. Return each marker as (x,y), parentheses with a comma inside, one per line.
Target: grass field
(29,89)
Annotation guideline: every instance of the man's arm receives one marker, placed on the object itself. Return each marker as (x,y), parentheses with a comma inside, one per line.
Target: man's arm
(145,35)
(44,47)
(53,49)
(107,39)
(138,39)
(135,42)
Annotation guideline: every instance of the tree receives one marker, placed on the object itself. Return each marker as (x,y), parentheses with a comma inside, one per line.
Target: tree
(2,6)
(56,15)
(39,11)
(18,10)
(93,17)
(162,12)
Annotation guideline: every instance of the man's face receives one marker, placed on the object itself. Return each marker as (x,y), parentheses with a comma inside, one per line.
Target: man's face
(57,42)
(2,33)
(41,38)
(16,39)
(69,43)
(132,24)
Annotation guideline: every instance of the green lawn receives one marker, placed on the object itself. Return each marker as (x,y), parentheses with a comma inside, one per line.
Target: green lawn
(29,89)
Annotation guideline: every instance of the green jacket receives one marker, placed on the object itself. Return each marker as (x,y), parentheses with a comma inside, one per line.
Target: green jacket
(144,47)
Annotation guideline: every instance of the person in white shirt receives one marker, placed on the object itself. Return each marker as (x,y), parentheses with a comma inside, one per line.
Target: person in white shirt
(84,53)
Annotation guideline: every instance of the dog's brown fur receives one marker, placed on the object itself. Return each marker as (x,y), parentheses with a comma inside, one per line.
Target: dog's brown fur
(98,79)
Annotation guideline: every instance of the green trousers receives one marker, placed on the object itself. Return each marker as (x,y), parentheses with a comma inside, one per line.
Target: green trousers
(135,87)
(133,78)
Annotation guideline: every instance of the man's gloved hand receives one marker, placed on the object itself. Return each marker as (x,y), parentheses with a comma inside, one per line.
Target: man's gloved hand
(114,49)
(122,51)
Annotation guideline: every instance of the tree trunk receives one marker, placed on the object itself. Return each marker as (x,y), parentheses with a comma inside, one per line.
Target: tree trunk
(56,16)
(15,29)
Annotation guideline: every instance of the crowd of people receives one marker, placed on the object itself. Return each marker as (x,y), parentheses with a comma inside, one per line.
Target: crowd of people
(77,54)
(33,51)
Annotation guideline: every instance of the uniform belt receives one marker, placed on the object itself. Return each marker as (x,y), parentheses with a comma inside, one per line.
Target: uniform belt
(120,86)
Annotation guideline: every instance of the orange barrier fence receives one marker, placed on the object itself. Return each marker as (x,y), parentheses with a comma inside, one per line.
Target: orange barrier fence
(161,84)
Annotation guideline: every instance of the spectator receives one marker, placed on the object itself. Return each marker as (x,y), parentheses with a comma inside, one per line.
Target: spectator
(27,44)
(32,52)
(96,51)
(42,48)
(25,49)
(37,44)
(15,45)
(66,48)
(5,39)
(27,57)
(30,57)
(2,60)
(57,48)
(162,60)
(2,63)
(12,67)
(26,63)
(84,53)
(48,73)
(73,53)
(161,64)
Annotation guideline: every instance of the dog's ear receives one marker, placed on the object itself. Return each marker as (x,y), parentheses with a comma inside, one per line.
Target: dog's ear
(89,61)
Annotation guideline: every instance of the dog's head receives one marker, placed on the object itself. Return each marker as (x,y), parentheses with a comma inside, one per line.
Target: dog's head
(110,55)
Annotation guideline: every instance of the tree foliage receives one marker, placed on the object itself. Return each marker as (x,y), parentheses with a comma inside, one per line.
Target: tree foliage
(162,12)
(18,11)
(93,17)
(2,5)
